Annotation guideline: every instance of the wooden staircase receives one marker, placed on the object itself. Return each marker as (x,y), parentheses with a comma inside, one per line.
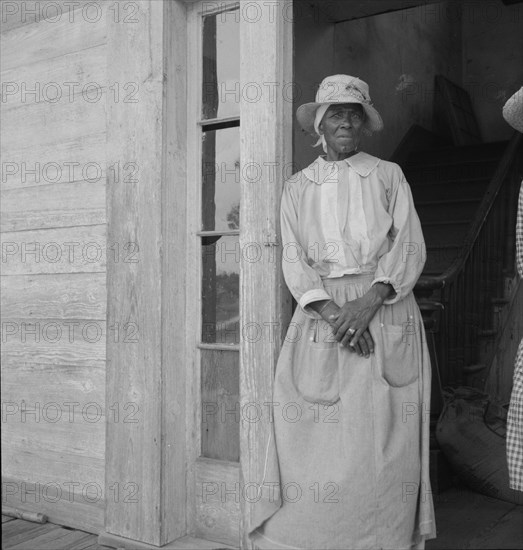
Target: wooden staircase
(465,192)
(448,185)
(457,190)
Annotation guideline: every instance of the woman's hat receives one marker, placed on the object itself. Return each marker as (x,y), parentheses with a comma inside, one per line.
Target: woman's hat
(513,111)
(340,88)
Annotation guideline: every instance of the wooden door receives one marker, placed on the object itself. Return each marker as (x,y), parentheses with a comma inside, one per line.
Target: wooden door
(239,145)
(213,265)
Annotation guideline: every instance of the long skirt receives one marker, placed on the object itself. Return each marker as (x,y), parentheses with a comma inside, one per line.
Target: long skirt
(515,426)
(350,446)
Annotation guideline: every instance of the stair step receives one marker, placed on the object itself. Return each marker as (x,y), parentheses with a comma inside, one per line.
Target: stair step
(487,333)
(439,258)
(445,174)
(449,210)
(461,154)
(452,189)
(440,235)
(471,369)
(445,202)
(445,222)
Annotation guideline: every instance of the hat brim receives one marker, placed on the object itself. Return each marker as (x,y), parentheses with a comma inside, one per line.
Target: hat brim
(306,114)
(513,111)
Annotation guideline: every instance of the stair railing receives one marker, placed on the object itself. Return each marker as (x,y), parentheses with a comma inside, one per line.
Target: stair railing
(462,294)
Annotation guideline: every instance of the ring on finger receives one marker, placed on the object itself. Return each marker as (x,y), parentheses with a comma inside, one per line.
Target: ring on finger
(351,331)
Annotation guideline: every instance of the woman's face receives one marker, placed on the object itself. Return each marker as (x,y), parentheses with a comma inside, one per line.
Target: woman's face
(342,126)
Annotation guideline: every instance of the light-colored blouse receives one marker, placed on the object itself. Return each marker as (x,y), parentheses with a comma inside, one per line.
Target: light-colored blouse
(346,217)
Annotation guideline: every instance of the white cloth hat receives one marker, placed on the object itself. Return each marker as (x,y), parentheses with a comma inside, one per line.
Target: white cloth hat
(340,88)
(513,111)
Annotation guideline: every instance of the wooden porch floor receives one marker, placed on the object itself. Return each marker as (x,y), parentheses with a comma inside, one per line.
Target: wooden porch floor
(20,534)
(466,520)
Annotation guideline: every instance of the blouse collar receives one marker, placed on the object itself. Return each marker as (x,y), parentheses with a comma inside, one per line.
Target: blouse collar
(320,169)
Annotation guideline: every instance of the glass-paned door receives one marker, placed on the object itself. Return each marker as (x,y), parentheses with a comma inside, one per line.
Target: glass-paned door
(219,235)
(213,293)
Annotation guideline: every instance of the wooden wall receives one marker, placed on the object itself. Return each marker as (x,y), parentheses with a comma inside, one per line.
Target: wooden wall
(401,78)
(54,299)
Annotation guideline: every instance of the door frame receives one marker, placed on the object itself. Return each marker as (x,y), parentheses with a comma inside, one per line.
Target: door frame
(266,304)
(156,453)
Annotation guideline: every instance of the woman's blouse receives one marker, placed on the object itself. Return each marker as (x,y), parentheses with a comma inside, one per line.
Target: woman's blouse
(347,217)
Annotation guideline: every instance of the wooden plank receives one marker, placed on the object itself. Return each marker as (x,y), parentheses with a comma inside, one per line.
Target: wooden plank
(53,205)
(60,161)
(221,412)
(37,462)
(42,540)
(17,527)
(70,296)
(20,531)
(193,262)
(37,41)
(72,509)
(183,543)
(143,292)
(44,123)
(41,383)
(74,342)
(266,127)
(174,183)
(85,543)
(70,540)
(218,496)
(55,540)
(35,11)
(75,445)
(49,77)
(63,250)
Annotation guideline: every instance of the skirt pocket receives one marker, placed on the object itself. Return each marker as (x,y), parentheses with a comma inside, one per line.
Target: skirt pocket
(316,368)
(399,356)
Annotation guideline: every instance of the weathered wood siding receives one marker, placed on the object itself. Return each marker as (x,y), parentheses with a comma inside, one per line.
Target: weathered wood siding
(53,279)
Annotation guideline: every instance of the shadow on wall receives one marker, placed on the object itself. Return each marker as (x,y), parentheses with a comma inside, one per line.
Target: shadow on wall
(478,45)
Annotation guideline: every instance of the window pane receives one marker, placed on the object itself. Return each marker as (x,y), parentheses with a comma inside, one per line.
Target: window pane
(221,180)
(220,405)
(221,291)
(221,65)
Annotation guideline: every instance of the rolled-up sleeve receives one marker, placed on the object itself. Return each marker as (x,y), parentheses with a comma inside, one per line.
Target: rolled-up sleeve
(402,265)
(303,281)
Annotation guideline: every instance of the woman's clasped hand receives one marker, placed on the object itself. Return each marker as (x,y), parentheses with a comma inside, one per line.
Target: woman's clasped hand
(350,322)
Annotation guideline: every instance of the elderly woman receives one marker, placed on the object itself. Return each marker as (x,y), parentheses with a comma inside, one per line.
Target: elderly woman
(348,463)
